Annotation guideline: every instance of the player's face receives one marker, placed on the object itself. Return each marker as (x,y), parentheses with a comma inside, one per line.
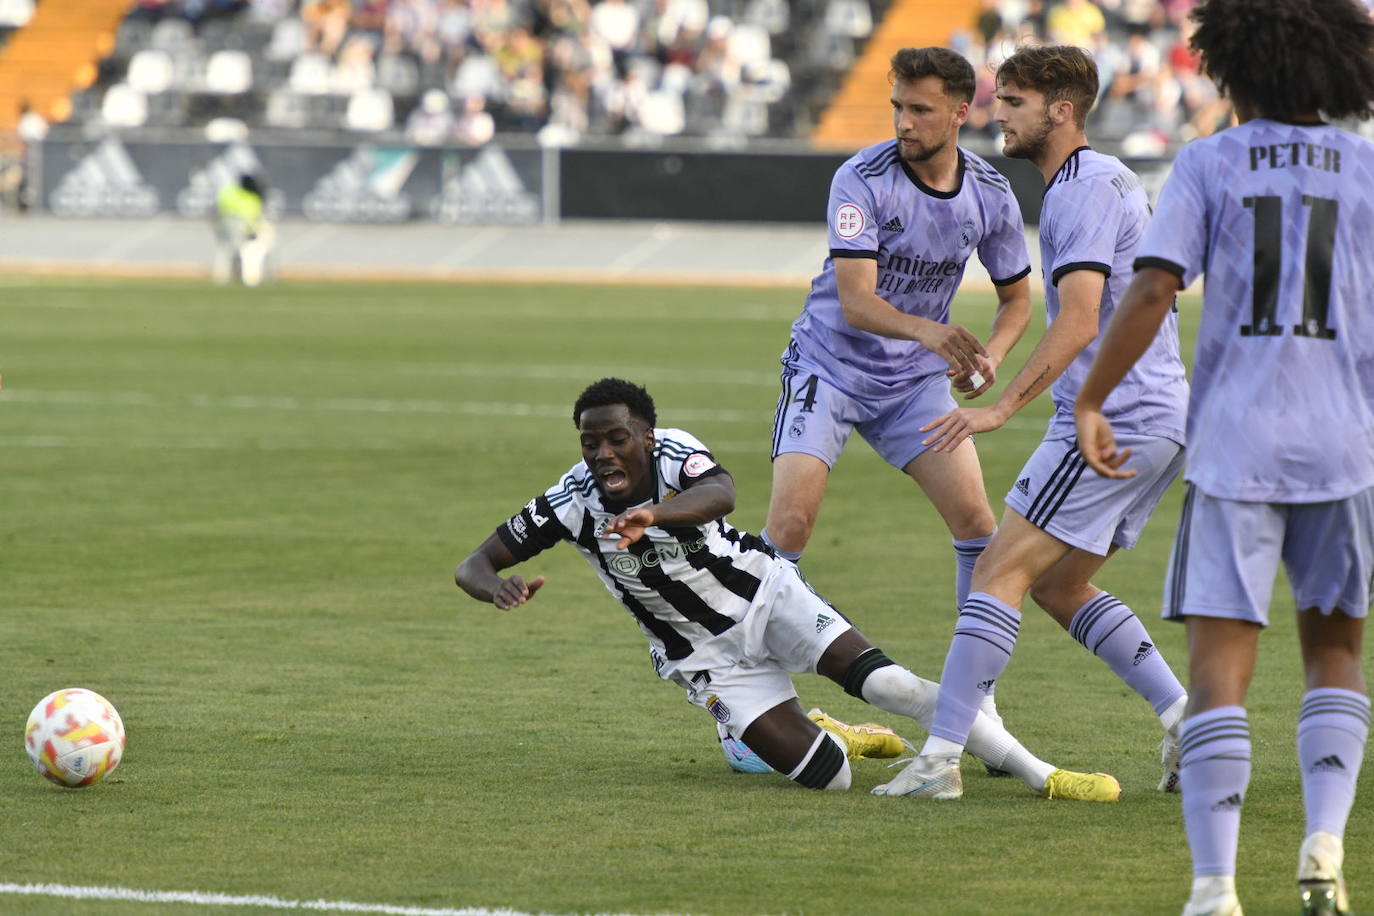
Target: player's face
(1025,121)
(618,448)
(924,118)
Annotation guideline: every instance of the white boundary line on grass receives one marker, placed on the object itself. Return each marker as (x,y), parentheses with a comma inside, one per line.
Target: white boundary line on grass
(204,898)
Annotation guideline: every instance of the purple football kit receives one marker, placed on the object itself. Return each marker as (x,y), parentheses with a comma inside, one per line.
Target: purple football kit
(1094,215)
(1281,421)
(837,378)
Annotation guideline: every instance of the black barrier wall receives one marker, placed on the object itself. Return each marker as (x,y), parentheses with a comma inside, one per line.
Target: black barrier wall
(507,182)
(328,184)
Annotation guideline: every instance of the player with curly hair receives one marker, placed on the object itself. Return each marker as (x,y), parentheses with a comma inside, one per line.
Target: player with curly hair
(1278,213)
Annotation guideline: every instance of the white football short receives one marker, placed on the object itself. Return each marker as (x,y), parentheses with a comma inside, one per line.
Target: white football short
(1226,555)
(1057,492)
(787,630)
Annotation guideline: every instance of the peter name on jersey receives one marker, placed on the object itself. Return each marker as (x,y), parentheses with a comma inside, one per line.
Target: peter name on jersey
(1298,152)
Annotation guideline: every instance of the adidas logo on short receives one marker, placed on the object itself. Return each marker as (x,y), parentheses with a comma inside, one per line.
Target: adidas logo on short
(1229,803)
(1144,652)
(986,686)
(1331,764)
(823,621)
(893,225)
(1023,485)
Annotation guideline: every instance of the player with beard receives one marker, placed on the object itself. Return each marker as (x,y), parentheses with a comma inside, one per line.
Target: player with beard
(1276,212)
(726,619)
(873,349)
(1061,525)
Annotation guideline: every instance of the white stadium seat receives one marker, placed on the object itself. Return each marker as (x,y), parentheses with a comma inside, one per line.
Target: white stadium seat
(369,110)
(229,72)
(150,71)
(124,106)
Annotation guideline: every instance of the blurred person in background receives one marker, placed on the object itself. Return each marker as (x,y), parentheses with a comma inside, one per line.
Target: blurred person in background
(432,122)
(244,236)
(475,125)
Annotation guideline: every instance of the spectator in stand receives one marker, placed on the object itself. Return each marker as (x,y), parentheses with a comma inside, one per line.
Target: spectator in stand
(355,68)
(1074,22)
(616,23)
(432,122)
(326,24)
(474,126)
(369,20)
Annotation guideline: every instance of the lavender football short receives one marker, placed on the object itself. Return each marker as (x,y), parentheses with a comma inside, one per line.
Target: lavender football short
(816,418)
(1227,553)
(1057,492)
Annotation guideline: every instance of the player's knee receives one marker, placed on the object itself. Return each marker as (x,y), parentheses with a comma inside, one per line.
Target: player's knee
(825,765)
(1049,594)
(969,522)
(789,528)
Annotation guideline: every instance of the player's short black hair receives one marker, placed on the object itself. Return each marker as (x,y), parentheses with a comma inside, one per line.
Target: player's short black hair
(1281,59)
(1062,73)
(911,64)
(609,391)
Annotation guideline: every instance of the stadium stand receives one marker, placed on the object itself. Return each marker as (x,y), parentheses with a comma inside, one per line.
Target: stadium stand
(439,72)
(728,69)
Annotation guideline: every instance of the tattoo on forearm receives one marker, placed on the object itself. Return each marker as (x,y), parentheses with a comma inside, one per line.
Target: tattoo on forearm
(1025,392)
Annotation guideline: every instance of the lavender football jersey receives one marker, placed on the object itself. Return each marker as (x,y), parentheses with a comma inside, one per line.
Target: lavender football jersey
(1094,214)
(1280,218)
(921,239)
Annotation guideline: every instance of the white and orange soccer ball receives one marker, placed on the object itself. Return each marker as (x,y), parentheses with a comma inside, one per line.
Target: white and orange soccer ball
(74,737)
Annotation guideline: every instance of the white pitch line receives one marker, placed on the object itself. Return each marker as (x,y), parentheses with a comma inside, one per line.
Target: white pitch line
(203,898)
(511,409)
(498,409)
(733,378)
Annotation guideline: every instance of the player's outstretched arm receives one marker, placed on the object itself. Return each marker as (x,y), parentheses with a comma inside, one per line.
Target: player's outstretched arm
(1008,324)
(1080,295)
(855,281)
(705,501)
(478,575)
(1135,323)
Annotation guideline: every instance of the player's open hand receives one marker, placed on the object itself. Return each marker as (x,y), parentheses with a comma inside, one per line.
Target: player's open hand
(955,343)
(630,526)
(975,382)
(515,591)
(1097,444)
(954,427)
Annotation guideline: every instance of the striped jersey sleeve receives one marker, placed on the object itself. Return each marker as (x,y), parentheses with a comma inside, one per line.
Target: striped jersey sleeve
(684,585)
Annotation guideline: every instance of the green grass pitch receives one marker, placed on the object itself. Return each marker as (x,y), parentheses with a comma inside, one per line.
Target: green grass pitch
(236,514)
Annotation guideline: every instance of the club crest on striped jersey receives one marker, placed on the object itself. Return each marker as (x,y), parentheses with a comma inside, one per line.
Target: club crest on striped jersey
(849,221)
(696,465)
(716,707)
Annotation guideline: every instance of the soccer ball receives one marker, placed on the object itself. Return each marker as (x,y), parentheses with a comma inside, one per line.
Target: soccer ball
(74,737)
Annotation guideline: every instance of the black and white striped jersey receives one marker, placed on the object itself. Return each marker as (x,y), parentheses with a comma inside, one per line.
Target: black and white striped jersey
(683,585)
